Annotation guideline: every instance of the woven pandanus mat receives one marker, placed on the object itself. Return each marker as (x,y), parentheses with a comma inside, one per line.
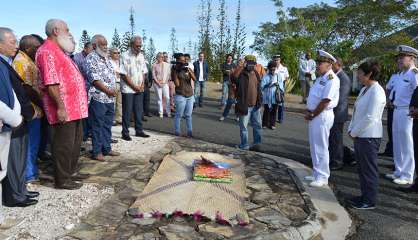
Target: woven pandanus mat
(172,189)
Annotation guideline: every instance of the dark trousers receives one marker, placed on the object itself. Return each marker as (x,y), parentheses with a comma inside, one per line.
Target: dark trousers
(336,145)
(101,115)
(14,188)
(280,112)
(366,150)
(415,137)
(389,144)
(146,101)
(132,102)
(65,143)
(269,115)
(87,130)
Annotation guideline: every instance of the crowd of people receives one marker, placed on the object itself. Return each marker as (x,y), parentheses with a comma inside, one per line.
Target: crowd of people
(52,98)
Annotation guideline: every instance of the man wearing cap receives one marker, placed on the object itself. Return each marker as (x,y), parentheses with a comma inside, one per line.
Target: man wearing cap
(403,147)
(248,93)
(284,74)
(323,97)
(307,68)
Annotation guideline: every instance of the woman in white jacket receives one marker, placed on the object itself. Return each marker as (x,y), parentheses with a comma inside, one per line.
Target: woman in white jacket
(366,130)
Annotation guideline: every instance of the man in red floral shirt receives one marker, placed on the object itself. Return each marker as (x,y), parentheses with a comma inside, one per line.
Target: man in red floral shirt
(64,99)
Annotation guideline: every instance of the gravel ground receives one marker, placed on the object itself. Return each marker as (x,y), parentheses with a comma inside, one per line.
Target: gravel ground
(57,212)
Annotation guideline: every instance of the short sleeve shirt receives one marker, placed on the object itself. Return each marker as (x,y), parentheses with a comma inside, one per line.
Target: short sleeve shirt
(101,69)
(282,71)
(135,67)
(325,87)
(56,68)
(405,86)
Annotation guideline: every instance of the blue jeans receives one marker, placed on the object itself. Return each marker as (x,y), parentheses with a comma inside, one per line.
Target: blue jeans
(228,106)
(184,107)
(34,128)
(225,88)
(254,117)
(101,119)
(199,91)
(280,112)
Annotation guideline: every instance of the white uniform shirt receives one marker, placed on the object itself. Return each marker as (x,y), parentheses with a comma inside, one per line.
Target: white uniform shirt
(282,71)
(135,67)
(325,87)
(368,110)
(405,86)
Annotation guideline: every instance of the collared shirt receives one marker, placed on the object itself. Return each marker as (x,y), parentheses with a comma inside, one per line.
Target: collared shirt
(405,86)
(282,71)
(135,67)
(101,69)
(161,72)
(307,66)
(9,60)
(325,87)
(29,73)
(56,68)
(117,68)
(269,85)
(201,79)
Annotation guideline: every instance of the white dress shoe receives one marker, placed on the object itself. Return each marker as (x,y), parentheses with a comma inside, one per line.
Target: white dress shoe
(309,178)
(401,181)
(318,183)
(391,176)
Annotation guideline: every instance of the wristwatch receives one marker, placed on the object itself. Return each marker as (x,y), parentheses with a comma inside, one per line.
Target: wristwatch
(312,115)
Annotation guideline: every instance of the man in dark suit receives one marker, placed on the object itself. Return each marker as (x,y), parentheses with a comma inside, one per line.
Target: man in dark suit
(201,71)
(14,192)
(336,146)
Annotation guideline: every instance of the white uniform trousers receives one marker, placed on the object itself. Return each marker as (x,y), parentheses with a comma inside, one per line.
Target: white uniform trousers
(4,156)
(403,145)
(163,91)
(319,129)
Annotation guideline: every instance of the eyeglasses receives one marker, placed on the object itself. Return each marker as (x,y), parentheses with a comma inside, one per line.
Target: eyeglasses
(115,53)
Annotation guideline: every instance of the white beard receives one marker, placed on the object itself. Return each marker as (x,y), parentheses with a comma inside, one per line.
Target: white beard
(66,43)
(101,52)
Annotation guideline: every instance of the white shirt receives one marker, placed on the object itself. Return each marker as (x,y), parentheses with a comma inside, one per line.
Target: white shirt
(404,87)
(391,84)
(191,66)
(325,87)
(368,110)
(161,72)
(117,68)
(282,71)
(201,72)
(11,117)
(135,67)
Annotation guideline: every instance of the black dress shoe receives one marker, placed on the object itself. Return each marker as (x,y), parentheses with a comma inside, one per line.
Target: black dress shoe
(69,185)
(144,119)
(32,194)
(126,138)
(28,202)
(335,166)
(80,176)
(142,134)
(113,141)
(148,115)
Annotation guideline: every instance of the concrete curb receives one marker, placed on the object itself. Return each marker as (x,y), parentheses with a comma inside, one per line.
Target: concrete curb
(327,216)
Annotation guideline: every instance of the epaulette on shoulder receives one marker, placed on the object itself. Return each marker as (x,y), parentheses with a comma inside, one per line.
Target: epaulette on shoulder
(330,77)
(415,70)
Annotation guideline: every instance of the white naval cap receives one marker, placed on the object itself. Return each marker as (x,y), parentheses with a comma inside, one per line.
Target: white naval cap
(324,56)
(407,50)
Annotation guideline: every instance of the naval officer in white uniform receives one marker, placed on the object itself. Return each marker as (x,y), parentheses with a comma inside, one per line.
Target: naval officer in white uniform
(403,146)
(323,97)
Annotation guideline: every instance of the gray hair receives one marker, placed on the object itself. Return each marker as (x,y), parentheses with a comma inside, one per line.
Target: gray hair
(160,54)
(135,38)
(51,25)
(96,38)
(113,49)
(3,31)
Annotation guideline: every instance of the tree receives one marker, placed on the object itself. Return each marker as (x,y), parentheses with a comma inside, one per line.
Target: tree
(205,32)
(144,39)
(173,41)
(132,20)
(116,40)
(126,42)
(240,35)
(151,52)
(85,38)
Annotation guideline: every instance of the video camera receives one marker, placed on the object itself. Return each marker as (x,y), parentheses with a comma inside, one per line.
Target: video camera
(180,65)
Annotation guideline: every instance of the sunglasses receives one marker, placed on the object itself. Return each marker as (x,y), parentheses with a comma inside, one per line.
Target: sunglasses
(115,52)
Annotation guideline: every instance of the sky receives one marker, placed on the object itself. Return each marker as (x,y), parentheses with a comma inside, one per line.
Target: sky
(157,17)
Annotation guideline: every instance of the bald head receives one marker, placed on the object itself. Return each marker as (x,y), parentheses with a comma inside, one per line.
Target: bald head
(29,45)
(53,26)
(57,31)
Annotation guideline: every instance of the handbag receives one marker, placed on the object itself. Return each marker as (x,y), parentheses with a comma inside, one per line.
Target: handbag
(279,94)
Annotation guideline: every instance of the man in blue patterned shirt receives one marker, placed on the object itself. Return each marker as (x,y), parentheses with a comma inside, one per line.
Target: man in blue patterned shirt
(101,110)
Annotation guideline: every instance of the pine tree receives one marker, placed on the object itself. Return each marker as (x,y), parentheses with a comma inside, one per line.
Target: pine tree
(116,40)
(223,39)
(151,51)
(85,38)
(173,41)
(239,34)
(126,42)
(144,40)
(206,33)
(132,20)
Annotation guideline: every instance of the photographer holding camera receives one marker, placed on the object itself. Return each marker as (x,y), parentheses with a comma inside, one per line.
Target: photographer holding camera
(183,78)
